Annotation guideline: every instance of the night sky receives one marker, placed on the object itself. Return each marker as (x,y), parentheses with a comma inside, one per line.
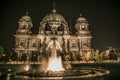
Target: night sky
(103,17)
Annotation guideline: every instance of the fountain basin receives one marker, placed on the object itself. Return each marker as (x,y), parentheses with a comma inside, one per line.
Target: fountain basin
(66,74)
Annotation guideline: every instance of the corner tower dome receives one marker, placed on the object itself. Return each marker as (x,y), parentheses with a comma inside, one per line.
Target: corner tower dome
(25,18)
(25,24)
(82,26)
(81,18)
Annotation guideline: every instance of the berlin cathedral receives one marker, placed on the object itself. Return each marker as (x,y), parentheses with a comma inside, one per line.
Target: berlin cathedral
(52,29)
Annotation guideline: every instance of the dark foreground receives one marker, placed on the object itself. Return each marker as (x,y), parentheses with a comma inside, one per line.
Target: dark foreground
(8,71)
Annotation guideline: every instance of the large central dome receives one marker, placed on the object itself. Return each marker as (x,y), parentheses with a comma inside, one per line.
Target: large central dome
(53,22)
(54,16)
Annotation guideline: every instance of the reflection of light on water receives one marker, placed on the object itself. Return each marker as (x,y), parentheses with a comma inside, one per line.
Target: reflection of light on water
(56,73)
(27,67)
(9,69)
(8,76)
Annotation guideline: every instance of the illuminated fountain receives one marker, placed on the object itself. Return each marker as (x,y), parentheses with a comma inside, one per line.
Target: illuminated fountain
(54,68)
(54,62)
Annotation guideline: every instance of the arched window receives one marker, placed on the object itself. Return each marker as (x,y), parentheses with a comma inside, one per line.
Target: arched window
(47,27)
(22,44)
(73,45)
(60,28)
(33,44)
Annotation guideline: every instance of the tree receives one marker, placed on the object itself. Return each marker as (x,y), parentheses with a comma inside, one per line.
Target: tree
(89,56)
(7,55)
(1,53)
(14,56)
(4,55)
(97,56)
(1,50)
(102,56)
(23,57)
(112,55)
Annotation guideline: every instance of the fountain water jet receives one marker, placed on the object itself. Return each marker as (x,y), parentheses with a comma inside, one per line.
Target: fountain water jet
(54,62)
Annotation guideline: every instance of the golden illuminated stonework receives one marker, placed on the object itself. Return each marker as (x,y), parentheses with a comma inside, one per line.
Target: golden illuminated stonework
(33,47)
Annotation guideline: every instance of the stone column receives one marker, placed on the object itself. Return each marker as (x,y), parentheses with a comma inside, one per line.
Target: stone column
(66,45)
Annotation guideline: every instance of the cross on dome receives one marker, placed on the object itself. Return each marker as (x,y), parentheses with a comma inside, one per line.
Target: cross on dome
(80,14)
(54,10)
(27,13)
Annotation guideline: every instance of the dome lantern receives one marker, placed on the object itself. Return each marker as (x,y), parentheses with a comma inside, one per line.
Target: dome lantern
(54,10)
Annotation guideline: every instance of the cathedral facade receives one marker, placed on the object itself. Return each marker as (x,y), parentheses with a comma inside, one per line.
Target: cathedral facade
(53,28)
